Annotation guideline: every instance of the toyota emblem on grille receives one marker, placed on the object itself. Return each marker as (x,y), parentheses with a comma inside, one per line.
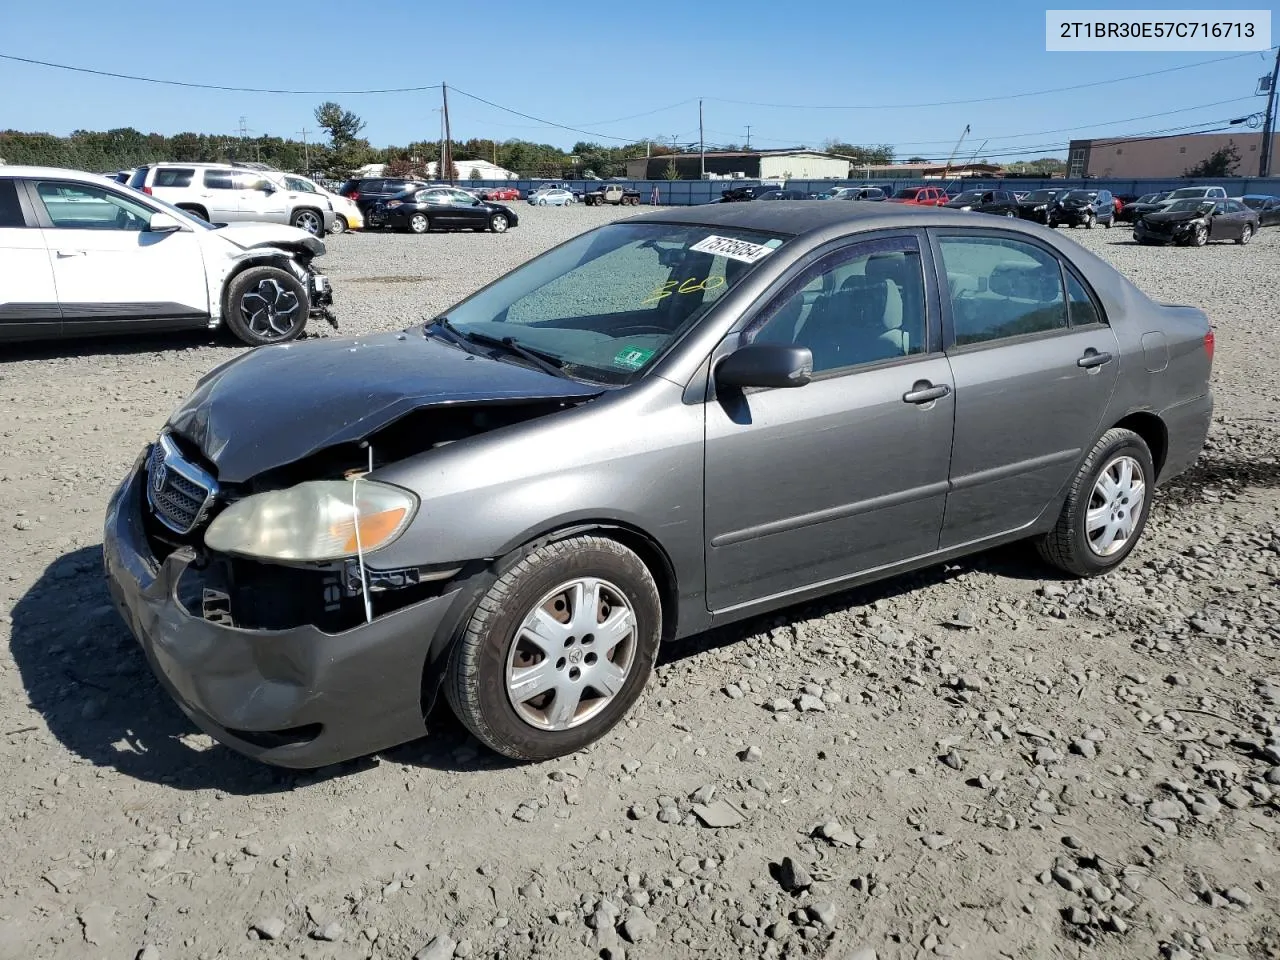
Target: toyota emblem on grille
(158,475)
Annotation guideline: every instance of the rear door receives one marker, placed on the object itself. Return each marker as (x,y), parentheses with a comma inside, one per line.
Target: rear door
(28,296)
(1035,365)
(111,272)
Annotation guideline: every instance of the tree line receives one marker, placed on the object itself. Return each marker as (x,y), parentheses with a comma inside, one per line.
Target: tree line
(344,150)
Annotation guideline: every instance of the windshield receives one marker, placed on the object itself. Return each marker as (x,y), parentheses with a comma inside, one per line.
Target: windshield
(1041,196)
(1191,206)
(908,194)
(1253,203)
(1080,195)
(1187,192)
(969,196)
(609,302)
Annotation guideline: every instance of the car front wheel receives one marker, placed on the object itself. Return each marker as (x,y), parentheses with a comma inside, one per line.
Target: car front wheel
(309,221)
(1246,234)
(1106,508)
(266,305)
(498,223)
(558,649)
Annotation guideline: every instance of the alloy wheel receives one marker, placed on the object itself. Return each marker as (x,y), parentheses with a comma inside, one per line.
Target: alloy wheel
(1115,506)
(419,223)
(572,654)
(498,223)
(308,221)
(269,310)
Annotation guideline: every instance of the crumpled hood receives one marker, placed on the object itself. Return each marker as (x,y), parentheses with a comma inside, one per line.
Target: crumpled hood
(1181,216)
(277,404)
(253,234)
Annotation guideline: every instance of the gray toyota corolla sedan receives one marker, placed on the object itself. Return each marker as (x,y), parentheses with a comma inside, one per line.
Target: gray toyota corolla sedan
(667,423)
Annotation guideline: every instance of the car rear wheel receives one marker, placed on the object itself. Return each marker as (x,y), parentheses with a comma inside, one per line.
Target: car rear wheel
(1246,234)
(419,223)
(558,649)
(1106,508)
(310,221)
(266,305)
(339,224)
(498,223)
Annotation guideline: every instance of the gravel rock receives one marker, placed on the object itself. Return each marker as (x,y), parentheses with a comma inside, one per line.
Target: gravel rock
(439,947)
(270,928)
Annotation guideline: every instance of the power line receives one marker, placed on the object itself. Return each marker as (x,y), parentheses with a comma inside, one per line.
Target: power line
(212,86)
(549,123)
(1164,134)
(1007,96)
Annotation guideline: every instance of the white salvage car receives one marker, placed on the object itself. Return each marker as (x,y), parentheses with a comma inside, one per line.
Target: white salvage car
(83,256)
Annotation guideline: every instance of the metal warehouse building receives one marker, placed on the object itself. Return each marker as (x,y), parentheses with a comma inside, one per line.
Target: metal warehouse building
(1163,157)
(761,165)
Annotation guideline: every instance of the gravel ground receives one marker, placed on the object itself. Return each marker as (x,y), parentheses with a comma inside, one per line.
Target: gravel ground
(978,761)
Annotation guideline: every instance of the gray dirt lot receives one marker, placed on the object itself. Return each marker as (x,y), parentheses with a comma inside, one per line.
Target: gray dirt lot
(976,761)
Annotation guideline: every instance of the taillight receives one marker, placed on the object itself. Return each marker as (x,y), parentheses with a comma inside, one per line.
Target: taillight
(353,195)
(1208,345)
(147,191)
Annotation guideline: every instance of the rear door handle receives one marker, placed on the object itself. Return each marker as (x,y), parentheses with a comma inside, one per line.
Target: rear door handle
(925,392)
(1092,358)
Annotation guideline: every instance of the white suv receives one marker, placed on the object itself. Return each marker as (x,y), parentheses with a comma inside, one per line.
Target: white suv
(224,193)
(81,255)
(1192,193)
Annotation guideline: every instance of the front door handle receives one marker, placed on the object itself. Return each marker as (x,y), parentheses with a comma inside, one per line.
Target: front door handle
(922,391)
(71,253)
(1092,358)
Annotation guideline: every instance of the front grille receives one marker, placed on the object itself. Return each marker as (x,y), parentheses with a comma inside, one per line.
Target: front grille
(179,492)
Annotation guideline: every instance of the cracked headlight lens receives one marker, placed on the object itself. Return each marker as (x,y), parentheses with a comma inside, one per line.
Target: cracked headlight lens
(313,521)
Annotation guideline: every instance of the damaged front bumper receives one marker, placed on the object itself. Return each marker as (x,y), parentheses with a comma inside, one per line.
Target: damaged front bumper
(321,297)
(295,697)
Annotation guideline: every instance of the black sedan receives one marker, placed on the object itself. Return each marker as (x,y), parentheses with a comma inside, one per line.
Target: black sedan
(999,202)
(784,195)
(1267,207)
(1193,223)
(442,208)
(1147,203)
(1036,205)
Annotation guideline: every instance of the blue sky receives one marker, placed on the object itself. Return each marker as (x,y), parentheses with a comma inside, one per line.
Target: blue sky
(532,60)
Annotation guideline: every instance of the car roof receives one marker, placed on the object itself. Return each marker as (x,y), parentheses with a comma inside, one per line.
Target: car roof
(62,173)
(800,217)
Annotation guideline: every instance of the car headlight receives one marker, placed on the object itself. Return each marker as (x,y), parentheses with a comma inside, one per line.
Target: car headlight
(313,521)
(966,208)
(1043,206)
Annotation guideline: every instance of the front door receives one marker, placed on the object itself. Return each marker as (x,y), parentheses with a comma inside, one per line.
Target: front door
(110,271)
(809,485)
(1034,372)
(220,195)
(28,297)
(257,198)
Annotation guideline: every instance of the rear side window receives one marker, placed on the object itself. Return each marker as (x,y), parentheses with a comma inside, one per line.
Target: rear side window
(139,178)
(219,180)
(1001,288)
(172,177)
(10,212)
(372,186)
(1083,309)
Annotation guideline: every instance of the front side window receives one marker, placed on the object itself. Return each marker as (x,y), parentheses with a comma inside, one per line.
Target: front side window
(299,186)
(76,206)
(1001,288)
(609,302)
(862,305)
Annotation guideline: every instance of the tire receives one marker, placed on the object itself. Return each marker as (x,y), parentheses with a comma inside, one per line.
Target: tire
(339,224)
(1110,221)
(309,220)
(266,305)
(1089,221)
(498,223)
(494,645)
(200,212)
(1068,545)
(1200,237)
(419,223)
(1010,214)
(1246,234)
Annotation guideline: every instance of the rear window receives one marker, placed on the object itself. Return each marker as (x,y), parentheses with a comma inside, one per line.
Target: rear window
(139,178)
(173,177)
(10,212)
(909,194)
(218,180)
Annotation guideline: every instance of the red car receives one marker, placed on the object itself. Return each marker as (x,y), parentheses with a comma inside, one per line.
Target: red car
(921,196)
(501,193)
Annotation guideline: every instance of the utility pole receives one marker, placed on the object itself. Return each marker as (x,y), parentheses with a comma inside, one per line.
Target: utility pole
(702,147)
(440,153)
(447,159)
(748,147)
(306,153)
(1269,123)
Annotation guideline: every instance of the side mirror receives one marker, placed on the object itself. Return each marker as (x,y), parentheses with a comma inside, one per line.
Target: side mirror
(267,187)
(162,222)
(766,365)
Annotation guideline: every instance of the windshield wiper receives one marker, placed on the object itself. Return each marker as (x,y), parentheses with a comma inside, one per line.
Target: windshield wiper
(546,362)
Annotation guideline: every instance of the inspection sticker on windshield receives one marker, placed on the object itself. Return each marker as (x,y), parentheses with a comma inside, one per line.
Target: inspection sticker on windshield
(733,249)
(632,358)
